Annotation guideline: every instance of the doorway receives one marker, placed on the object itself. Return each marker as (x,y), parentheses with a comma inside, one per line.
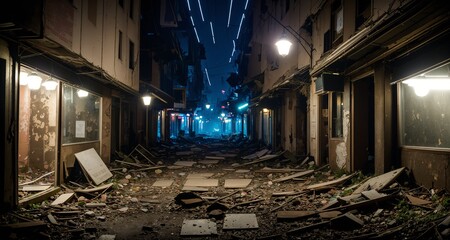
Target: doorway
(363,126)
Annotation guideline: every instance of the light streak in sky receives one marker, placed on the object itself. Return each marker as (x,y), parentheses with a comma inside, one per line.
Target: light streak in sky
(229,13)
(207,76)
(201,11)
(240,25)
(196,34)
(212,32)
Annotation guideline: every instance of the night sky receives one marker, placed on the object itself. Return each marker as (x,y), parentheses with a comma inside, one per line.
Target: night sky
(220,59)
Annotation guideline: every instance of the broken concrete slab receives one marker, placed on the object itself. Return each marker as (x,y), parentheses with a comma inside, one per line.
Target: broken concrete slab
(201,182)
(237,183)
(62,199)
(198,227)
(163,183)
(93,165)
(199,175)
(208,161)
(240,221)
(185,163)
(380,182)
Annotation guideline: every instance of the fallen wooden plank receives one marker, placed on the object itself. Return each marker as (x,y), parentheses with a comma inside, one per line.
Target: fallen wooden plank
(381,181)
(289,193)
(256,154)
(247,202)
(37,179)
(147,168)
(95,189)
(292,215)
(262,159)
(330,183)
(278,170)
(296,175)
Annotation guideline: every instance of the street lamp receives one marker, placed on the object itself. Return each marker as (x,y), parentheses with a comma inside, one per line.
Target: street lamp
(207,105)
(283,46)
(147,99)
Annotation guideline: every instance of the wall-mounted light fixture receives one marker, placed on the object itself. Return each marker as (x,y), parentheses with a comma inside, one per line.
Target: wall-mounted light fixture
(147,99)
(423,84)
(34,81)
(283,45)
(207,105)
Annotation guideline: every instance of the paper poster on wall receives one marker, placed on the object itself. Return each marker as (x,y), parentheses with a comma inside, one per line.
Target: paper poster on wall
(80,129)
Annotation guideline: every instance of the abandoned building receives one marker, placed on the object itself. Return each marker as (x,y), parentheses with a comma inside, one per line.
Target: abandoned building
(95,93)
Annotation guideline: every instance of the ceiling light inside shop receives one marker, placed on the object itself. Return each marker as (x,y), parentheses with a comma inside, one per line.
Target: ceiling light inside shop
(82,93)
(50,84)
(34,81)
(423,85)
(23,78)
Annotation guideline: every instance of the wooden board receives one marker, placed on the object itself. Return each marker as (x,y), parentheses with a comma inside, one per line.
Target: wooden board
(95,189)
(299,174)
(184,163)
(93,165)
(35,188)
(237,183)
(163,183)
(201,182)
(293,214)
(62,199)
(380,182)
(330,183)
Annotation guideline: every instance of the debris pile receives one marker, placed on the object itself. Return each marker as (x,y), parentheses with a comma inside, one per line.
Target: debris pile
(230,189)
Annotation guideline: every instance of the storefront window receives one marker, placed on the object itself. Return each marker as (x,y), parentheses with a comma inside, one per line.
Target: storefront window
(425,109)
(81,116)
(337,114)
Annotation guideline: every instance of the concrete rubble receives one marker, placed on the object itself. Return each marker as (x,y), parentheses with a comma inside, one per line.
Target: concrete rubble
(217,188)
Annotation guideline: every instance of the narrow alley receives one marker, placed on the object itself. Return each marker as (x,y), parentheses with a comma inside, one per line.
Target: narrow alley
(229,188)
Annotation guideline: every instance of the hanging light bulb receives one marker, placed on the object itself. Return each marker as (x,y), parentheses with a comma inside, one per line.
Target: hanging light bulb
(283,46)
(50,84)
(23,78)
(34,81)
(147,99)
(82,93)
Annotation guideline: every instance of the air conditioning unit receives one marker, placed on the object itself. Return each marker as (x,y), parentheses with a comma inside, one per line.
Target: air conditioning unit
(328,82)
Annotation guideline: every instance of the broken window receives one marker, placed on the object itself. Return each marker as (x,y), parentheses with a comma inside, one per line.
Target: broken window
(425,109)
(81,116)
(337,114)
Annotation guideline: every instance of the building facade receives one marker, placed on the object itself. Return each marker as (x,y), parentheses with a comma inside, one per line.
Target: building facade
(70,71)
(378,83)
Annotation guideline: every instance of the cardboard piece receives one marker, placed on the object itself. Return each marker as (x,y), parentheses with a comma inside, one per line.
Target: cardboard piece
(237,183)
(240,221)
(201,182)
(198,227)
(93,165)
(163,183)
(62,199)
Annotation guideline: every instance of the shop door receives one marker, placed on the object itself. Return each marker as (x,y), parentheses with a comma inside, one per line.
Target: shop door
(363,125)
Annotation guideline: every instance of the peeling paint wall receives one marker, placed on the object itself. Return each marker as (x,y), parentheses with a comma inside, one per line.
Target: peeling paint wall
(106,129)
(37,130)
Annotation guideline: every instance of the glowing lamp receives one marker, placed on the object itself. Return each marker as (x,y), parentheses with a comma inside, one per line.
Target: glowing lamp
(34,81)
(283,46)
(147,100)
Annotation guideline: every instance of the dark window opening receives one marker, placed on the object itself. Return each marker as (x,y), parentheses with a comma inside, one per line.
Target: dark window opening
(92,12)
(337,22)
(121,3)
(131,9)
(119,51)
(131,56)
(363,12)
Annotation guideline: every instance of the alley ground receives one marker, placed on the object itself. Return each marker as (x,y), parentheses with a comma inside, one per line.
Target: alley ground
(232,189)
